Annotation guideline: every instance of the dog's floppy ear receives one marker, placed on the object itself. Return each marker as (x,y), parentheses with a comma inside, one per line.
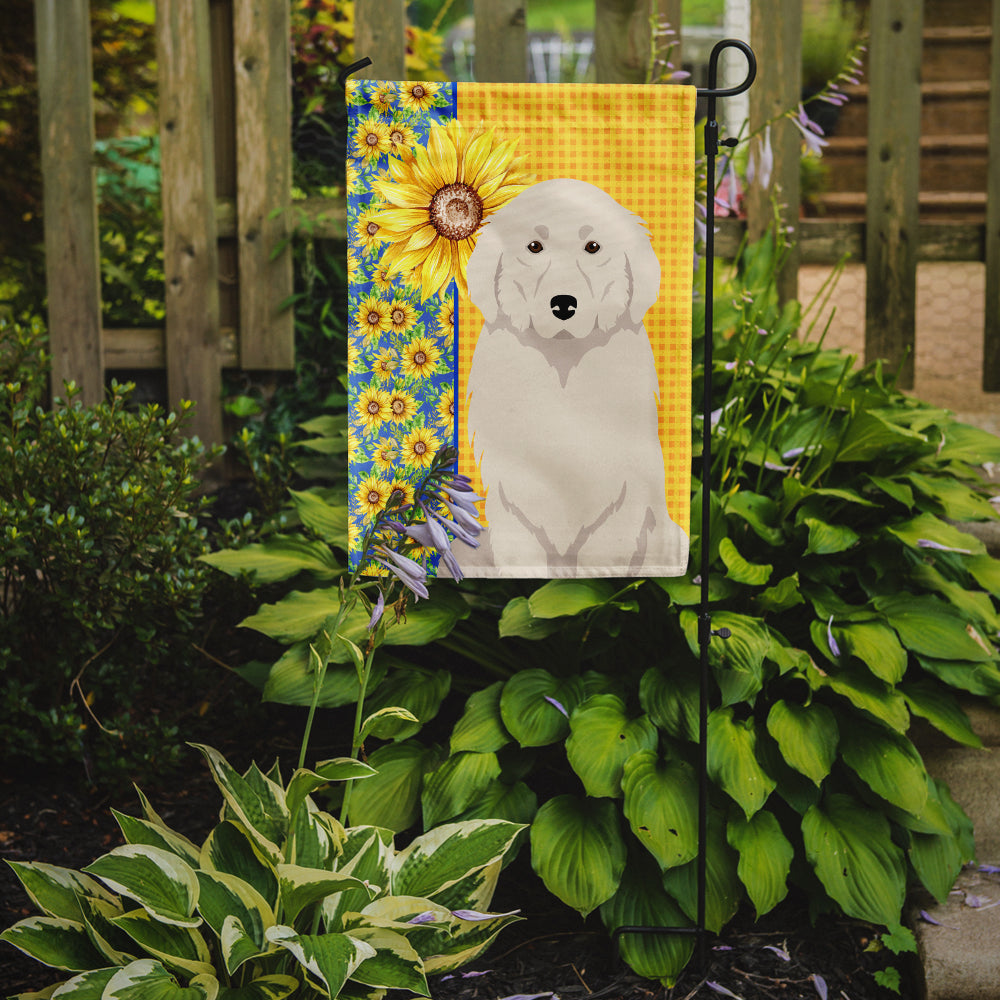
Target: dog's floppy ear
(645,270)
(481,273)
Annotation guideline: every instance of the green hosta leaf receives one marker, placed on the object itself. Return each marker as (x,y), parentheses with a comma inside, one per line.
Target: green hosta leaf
(850,847)
(683,592)
(517,620)
(418,690)
(147,979)
(159,881)
(865,692)
(937,860)
(441,857)
(827,539)
(732,760)
(330,959)
(752,574)
(641,901)
(528,714)
(387,722)
(279,558)
(230,849)
(765,858)
(263,812)
(299,615)
(602,738)
(661,798)
(304,782)
(965,443)
(391,798)
(671,699)
(932,628)
(141,831)
(928,528)
(876,646)
(225,897)
(807,736)
(941,709)
(888,763)
(98,916)
(301,887)
(973,604)
(292,681)
(893,488)
(723,889)
(976,678)
(327,520)
(395,964)
(367,853)
(578,851)
(481,728)
(986,572)
(758,511)
(275,987)
(180,948)
(456,784)
(56,891)
(957,501)
(783,595)
(54,941)
(238,944)
(738,661)
(870,435)
(516,803)
(558,598)
(87,986)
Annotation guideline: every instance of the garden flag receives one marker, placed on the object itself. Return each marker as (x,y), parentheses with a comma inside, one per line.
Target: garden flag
(520,275)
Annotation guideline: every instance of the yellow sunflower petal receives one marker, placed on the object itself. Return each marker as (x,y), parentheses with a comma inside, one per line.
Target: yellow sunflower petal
(475,157)
(436,269)
(444,156)
(499,197)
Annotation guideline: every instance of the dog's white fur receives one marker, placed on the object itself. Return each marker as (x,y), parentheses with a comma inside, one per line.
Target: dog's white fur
(563,390)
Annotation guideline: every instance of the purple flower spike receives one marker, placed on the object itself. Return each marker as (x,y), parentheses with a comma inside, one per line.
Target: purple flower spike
(377,612)
(458,531)
(558,705)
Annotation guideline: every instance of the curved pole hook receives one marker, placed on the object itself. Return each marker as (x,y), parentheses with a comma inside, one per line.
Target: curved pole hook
(713,70)
(353,68)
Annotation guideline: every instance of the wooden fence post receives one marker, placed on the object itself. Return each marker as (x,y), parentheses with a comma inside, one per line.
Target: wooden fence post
(776,35)
(991,332)
(893,183)
(380,34)
(72,255)
(622,40)
(190,252)
(501,41)
(262,60)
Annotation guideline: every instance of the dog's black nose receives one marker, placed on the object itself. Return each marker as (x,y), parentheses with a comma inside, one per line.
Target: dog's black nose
(563,306)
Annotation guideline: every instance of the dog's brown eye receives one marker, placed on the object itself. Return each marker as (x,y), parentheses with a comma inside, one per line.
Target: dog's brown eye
(592,247)
(535,247)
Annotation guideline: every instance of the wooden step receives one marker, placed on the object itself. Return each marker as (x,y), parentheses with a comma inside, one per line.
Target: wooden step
(956,53)
(939,13)
(957,206)
(947,162)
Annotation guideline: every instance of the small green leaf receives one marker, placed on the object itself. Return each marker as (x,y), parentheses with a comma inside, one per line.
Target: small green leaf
(765,858)
(517,620)
(932,628)
(481,727)
(888,763)
(456,784)
(783,595)
(279,558)
(301,887)
(328,521)
(927,527)
(739,569)
(732,760)
(418,690)
(936,704)
(671,699)
(383,723)
(559,598)
(828,539)
(807,736)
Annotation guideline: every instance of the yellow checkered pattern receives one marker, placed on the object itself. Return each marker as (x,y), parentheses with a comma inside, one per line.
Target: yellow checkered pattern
(637,143)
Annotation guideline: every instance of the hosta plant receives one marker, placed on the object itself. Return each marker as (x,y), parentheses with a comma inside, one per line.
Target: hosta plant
(279,900)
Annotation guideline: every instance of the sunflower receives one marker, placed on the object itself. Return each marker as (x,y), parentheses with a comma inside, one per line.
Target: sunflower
(373,316)
(446,319)
(373,407)
(446,407)
(385,364)
(386,454)
(382,98)
(404,488)
(383,278)
(371,496)
(419,447)
(366,229)
(402,315)
(402,139)
(353,265)
(418,96)
(402,406)
(420,357)
(371,139)
(438,200)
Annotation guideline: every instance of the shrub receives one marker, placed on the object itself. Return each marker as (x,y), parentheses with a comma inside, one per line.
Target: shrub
(99,539)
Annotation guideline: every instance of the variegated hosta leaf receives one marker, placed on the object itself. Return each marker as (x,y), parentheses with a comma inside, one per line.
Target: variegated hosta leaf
(888,763)
(642,902)
(395,964)
(300,887)
(535,706)
(481,727)
(850,847)
(732,760)
(765,858)
(238,945)
(147,979)
(329,959)
(274,987)
(116,946)
(807,736)
(315,838)
(224,897)
(367,853)
(86,986)
(56,891)
(723,889)
(158,880)
(54,941)
(141,831)
(578,851)
(456,784)
(467,941)
(417,690)
(256,801)
(602,737)
(661,799)
(230,849)
(177,947)
(475,891)
(441,857)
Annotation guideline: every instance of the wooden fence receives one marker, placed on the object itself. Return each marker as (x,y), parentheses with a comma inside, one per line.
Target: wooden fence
(226,161)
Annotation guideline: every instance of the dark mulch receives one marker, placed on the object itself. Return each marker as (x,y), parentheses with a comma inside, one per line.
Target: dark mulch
(551,951)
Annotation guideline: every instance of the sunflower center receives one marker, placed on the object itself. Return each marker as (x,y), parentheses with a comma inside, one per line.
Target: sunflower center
(371,229)
(373,318)
(374,496)
(398,406)
(418,92)
(396,138)
(398,316)
(456,211)
(373,407)
(372,139)
(419,358)
(419,448)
